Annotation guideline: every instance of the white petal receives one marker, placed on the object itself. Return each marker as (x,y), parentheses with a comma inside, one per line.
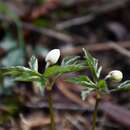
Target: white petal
(53,56)
(116,75)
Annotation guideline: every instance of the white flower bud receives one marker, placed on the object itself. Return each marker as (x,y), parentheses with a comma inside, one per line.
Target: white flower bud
(115,75)
(52,57)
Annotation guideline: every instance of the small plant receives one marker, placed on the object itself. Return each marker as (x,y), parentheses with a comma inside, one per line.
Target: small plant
(52,72)
(96,84)
(47,79)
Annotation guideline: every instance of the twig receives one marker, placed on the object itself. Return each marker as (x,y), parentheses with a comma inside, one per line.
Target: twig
(114,4)
(44,9)
(71,3)
(49,32)
(120,49)
(116,112)
(94,12)
(75,22)
(46,31)
(75,122)
(29,122)
(97,47)
(51,5)
(71,96)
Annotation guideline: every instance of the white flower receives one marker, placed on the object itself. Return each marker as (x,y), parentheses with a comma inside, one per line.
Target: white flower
(115,75)
(52,57)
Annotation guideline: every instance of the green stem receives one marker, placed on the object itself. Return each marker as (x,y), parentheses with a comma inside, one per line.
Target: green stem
(95,112)
(50,103)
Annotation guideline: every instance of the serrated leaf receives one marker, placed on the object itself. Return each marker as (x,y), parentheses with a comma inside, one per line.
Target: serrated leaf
(99,71)
(33,63)
(27,78)
(125,86)
(82,80)
(70,60)
(92,64)
(54,70)
(20,73)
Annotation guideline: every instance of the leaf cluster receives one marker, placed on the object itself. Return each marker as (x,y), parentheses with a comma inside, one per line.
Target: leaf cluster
(31,74)
(96,83)
(68,64)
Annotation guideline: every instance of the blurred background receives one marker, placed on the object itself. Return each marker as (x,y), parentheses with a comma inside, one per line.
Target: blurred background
(33,27)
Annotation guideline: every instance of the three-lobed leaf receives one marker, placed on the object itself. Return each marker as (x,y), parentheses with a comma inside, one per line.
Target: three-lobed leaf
(82,80)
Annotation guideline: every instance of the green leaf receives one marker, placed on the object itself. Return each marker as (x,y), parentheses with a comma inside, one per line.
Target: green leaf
(86,93)
(27,78)
(82,80)
(98,72)
(33,63)
(69,64)
(54,70)
(20,73)
(102,85)
(40,85)
(125,86)
(92,64)
(70,60)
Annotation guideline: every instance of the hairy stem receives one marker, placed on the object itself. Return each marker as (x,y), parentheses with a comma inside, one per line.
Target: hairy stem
(95,112)
(50,103)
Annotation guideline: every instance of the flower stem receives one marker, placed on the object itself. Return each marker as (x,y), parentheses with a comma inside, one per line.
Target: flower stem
(95,111)
(50,103)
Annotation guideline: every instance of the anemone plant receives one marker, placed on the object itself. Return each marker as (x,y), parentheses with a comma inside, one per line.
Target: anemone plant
(46,79)
(96,84)
(53,71)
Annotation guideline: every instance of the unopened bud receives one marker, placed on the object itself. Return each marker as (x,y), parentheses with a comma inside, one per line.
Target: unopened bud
(115,75)
(52,57)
